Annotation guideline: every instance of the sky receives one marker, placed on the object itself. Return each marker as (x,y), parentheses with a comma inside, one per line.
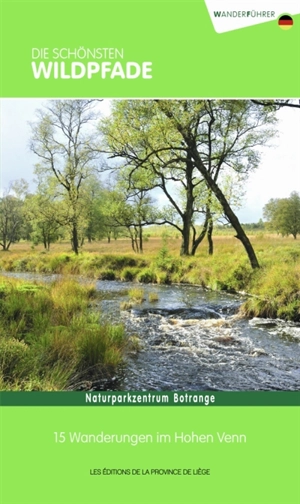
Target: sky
(277,176)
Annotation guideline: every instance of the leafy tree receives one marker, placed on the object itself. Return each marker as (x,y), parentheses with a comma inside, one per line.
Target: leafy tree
(278,104)
(62,139)
(11,213)
(111,227)
(130,206)
(94,202)
(195,144)
(131,132)
(222,135)
(44,211)
(135,187)
(283,215)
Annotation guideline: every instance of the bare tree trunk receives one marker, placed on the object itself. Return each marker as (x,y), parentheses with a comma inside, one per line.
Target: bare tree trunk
(185,242)
(141,238)
(240,233)
(209,237)
(197,241)
(188,214)
(132,243)
(75,239)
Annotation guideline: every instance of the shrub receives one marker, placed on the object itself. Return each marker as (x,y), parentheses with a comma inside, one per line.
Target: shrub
(257,307)
(3,291)
(137,295)
(162,277)
(57,345)
(146,276)
(107,275)
(69,298)
(166,262)
(57,263)
(125,305)
(153,297)
(49,336)
(100,348)
(21,309)
(129,274)
(240,277)
(12,356)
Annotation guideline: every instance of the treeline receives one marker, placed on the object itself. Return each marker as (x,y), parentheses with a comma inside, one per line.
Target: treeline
(96,176)
(283,215)
(46,217)
(110,213)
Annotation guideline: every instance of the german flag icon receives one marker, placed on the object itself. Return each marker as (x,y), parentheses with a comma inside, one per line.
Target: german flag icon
(285,22)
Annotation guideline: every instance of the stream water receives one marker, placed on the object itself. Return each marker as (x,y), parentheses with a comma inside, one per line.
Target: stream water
(192,339)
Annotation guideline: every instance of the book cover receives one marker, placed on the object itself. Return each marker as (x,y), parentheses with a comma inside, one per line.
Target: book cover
(149,291)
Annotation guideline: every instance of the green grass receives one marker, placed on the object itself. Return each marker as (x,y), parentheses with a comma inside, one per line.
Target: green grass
(153,297)
(136,294)
(50,338)
(274,286)
(126,305)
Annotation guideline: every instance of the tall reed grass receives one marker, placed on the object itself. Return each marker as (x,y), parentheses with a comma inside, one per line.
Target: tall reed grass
(50,339)
(275,286)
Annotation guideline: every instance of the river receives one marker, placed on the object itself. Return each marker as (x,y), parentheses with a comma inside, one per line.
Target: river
(193,339)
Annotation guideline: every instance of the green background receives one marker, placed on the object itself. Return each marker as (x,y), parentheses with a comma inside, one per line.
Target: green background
(189,58)
(36,470)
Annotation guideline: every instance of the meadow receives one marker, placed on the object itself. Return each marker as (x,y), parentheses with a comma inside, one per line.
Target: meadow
(51,338)
(274,288)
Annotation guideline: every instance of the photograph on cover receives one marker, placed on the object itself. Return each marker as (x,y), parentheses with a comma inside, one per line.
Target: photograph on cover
(150,244)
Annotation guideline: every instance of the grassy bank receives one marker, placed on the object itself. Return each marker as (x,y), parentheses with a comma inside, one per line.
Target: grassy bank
(275,286)
(51,339)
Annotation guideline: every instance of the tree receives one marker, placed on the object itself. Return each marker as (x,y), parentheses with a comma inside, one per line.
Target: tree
(63,140)
(44,211)
(11,213)
(220,135)
(111,227)
(283,215)
(94,202)
(278,104)
(130,206)
(136,129)
(136,187)
(196,144)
